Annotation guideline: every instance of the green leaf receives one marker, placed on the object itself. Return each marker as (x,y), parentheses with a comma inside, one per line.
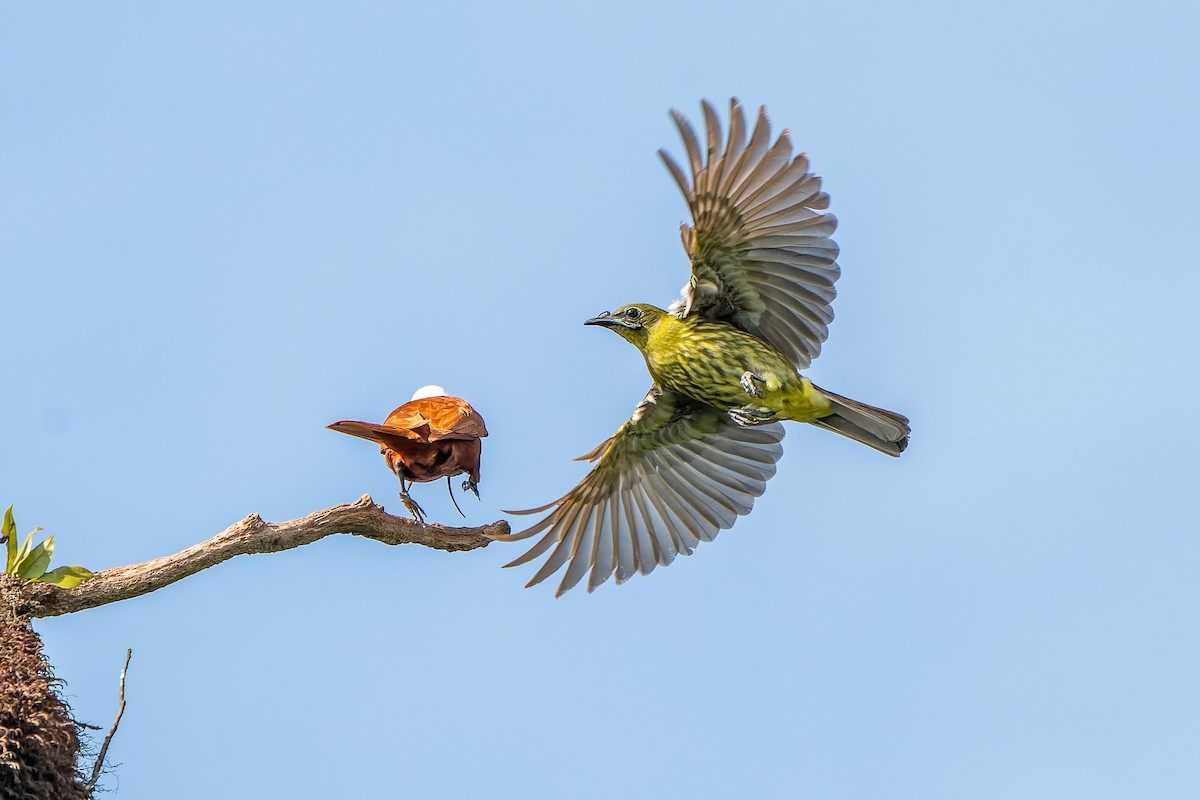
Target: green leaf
(23,551)
(35,562)
(9,532)
(66,577)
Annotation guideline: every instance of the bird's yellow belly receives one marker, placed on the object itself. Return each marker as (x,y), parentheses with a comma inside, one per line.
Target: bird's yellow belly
(803,403)
(709,368)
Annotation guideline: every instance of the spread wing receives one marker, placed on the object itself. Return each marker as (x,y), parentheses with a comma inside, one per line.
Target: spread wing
(760,249)
(671,477)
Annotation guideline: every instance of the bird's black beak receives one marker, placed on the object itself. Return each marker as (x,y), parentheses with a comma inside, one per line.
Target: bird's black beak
(605,319)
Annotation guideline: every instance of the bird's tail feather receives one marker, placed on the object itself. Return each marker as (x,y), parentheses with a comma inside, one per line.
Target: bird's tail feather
(884,430)
(379,434)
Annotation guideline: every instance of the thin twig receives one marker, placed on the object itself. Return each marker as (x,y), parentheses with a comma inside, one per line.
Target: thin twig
(91,784)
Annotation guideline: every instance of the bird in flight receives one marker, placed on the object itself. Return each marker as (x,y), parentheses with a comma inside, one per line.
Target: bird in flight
(432,436)
(725,359)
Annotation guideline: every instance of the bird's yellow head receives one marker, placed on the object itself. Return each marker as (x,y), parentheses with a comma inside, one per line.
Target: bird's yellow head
(633,322)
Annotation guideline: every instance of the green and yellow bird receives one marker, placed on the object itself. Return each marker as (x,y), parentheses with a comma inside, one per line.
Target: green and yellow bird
(725,360)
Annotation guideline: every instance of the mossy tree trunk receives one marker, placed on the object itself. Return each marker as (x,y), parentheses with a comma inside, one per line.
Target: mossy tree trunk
(39,740)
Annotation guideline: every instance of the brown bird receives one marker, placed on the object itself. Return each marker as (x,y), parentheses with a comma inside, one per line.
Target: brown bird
(432,436)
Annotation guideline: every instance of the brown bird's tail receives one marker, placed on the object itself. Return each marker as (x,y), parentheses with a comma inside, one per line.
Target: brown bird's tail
(379,433)
(884,430)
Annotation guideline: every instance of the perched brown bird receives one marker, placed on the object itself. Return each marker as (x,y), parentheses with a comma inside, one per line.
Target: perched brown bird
(432,436)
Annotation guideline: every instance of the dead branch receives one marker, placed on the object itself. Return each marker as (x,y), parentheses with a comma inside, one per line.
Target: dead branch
(252,535)
(90,786)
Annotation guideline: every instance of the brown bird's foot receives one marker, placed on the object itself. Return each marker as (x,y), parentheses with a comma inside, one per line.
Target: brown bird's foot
(750,383)
(414,509)
(472,487)
(749,416)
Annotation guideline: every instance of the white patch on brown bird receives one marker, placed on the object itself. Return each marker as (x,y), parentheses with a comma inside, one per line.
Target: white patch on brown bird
(432,390)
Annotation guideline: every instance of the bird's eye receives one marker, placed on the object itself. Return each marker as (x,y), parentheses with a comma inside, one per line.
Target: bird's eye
(633,313)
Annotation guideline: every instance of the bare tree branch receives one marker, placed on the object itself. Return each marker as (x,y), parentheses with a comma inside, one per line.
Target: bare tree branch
(252,535)
(90,786)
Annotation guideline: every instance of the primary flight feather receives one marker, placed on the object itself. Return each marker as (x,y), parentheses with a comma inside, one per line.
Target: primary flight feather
(725,360)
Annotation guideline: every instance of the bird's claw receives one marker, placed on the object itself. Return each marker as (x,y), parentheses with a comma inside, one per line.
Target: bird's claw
(472,487)
(750,383)
(412,506)
(749,416)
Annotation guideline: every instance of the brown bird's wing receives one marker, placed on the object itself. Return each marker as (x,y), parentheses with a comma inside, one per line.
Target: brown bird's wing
(671,477)
(446,418)
(761,254)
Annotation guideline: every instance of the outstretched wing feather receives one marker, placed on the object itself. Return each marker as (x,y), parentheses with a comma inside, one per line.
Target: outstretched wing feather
(756,211)
(673,476)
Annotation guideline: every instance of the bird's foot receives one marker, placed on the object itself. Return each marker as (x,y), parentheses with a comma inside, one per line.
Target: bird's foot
(750,382)
(749,416)
(414,509)
(472,487)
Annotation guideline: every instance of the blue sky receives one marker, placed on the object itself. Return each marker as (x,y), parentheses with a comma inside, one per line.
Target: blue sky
(224,226)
